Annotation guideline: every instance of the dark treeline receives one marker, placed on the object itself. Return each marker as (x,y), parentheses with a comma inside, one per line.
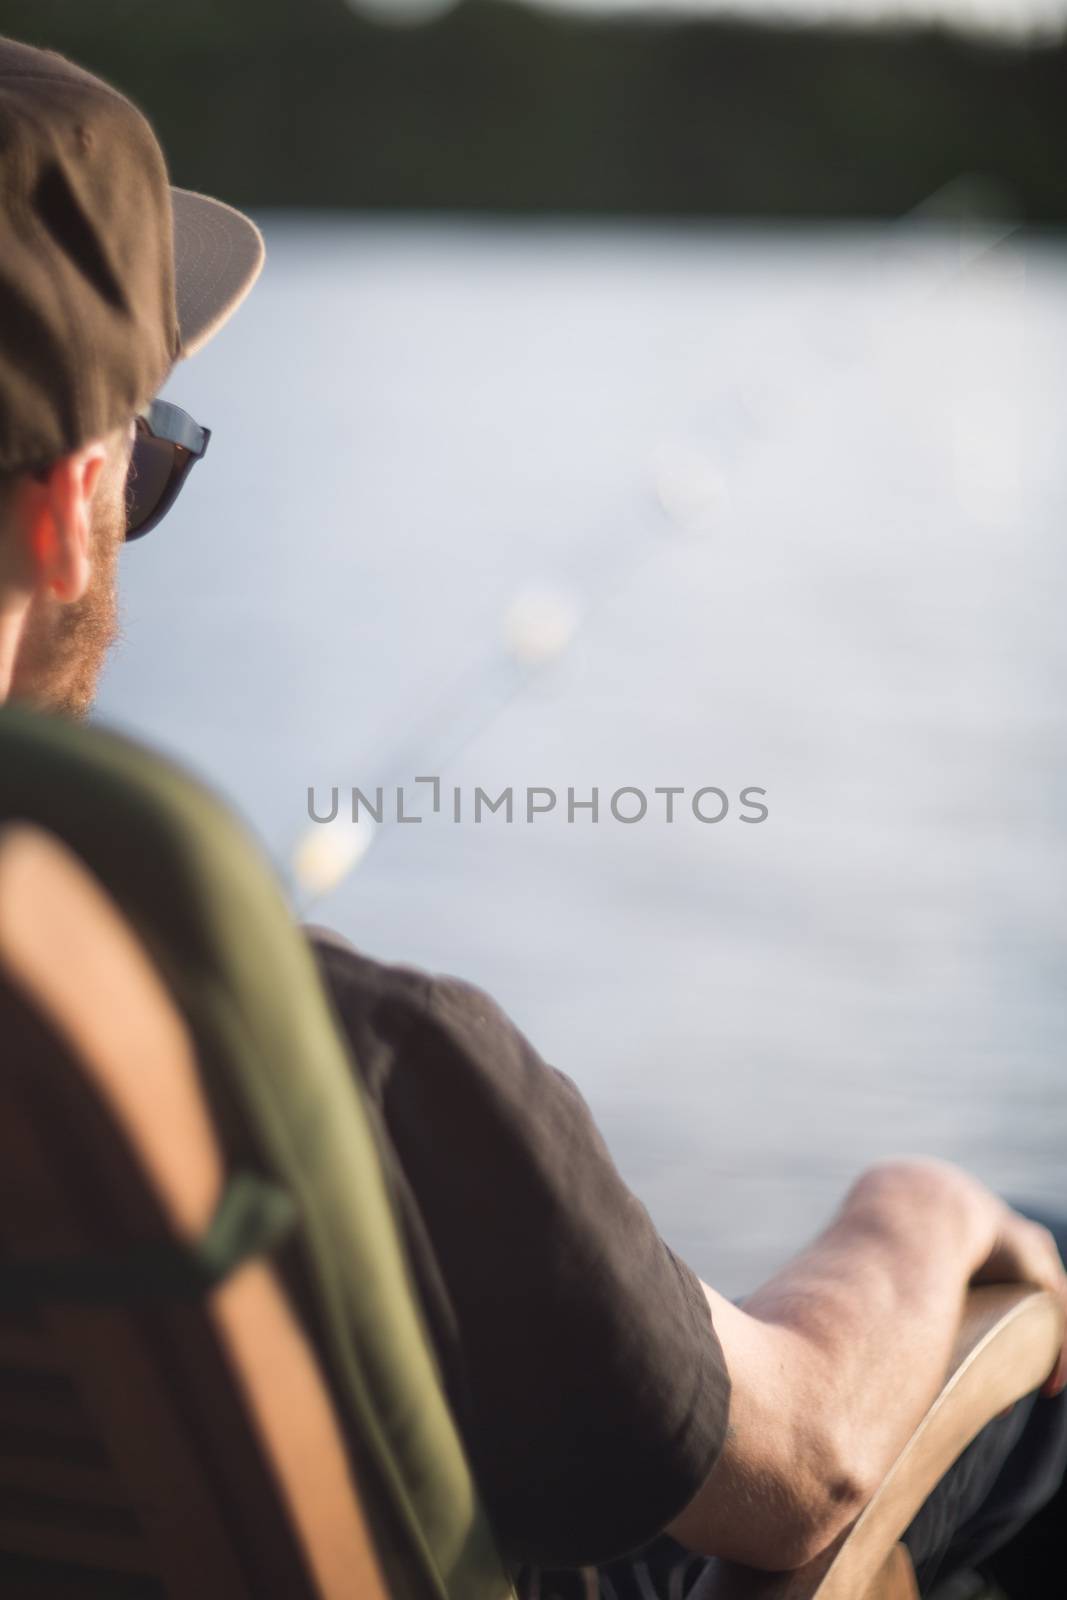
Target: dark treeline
(497,107)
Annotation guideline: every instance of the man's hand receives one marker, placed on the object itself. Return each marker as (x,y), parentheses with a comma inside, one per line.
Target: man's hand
(1010,1248)
(1026,1252)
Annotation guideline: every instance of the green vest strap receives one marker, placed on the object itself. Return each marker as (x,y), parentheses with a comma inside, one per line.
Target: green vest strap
(252,1219)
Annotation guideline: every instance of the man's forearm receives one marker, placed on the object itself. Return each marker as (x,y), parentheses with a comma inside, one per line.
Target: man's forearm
(877,1300)
(835,1360)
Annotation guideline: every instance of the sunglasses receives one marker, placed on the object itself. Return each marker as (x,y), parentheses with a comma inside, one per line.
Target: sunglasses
(166,444)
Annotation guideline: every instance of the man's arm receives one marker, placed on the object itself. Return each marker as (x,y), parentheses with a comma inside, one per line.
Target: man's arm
(834,1361)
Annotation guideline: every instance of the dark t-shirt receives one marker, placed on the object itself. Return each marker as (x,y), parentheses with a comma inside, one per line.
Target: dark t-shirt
(576,1350)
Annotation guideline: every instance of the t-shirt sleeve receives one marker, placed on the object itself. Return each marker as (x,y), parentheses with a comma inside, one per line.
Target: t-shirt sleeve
(578,1350)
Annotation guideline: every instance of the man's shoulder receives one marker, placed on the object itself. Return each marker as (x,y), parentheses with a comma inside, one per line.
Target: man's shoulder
(363,978)
(399,1015)
(343,965)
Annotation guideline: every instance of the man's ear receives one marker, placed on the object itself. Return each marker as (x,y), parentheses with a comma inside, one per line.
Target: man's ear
(52,514)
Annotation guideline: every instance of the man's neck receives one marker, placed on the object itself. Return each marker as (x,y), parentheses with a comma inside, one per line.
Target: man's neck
(13,609)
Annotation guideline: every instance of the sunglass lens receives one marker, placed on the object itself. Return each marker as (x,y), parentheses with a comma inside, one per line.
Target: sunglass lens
(151,469)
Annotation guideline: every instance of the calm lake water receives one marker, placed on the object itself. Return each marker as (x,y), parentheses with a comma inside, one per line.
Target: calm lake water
(801,496)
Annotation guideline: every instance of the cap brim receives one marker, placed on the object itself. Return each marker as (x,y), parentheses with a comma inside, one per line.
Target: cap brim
(218,254)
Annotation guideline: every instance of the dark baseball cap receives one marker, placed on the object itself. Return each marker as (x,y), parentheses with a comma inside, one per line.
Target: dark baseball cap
(108,275)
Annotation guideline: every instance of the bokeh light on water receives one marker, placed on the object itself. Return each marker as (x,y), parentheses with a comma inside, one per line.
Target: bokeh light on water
(798,498)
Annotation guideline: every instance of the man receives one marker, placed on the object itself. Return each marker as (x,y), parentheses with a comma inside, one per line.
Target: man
(617,1411)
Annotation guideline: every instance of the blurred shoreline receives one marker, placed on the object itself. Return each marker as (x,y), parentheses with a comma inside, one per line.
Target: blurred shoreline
(496,106)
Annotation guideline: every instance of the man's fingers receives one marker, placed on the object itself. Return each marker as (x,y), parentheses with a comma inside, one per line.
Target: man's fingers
(1026,1252)
(1057,1379)
(1057,1282)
